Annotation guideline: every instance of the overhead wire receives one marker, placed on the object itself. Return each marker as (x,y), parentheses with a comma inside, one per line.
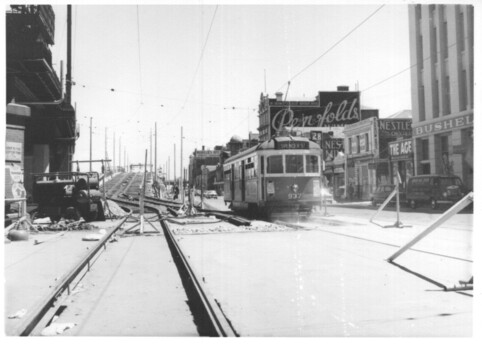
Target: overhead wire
(333,46)
(139,51)
(197,66)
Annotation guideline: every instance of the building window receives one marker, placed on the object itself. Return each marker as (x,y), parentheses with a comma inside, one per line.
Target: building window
(447,96)
(420,51)
(445,39)
(426,169)
(433,45)
(436,102)
(463,90)
(425,149)
(357,143)
(460,31)
(350,150)
(367,144)
(421,103)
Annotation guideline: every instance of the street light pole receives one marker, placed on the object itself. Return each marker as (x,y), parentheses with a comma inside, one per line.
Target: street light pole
(155,151)
(90,153)
(182,173)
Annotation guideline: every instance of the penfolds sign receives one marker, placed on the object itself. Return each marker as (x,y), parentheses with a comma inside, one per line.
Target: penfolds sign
(330,110)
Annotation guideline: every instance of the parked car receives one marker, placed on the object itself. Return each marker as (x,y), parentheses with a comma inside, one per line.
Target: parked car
(382,192)
(434,189)
(210,194)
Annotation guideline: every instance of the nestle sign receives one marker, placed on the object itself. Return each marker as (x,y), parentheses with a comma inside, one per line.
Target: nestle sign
(331,109)
(395,127)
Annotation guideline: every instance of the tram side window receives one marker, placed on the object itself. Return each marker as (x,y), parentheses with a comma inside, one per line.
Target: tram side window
(312,164)
(236,172)
(294,163)
(274,165)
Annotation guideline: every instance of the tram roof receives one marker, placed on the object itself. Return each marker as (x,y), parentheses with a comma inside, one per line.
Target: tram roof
(270,145)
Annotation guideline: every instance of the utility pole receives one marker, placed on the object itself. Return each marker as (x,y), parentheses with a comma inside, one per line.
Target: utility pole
(182,174)
(90,153)
(155,151)
(150,149)
(113,153)
(174,163)
(68,78)
(120,156)
(105,155)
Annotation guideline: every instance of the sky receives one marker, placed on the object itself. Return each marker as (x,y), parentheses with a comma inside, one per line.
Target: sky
(189,65)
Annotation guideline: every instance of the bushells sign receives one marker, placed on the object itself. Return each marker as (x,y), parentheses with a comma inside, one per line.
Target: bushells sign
(331,109)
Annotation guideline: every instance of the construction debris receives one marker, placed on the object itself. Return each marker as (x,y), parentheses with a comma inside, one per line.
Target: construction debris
(66,225)
(18,314)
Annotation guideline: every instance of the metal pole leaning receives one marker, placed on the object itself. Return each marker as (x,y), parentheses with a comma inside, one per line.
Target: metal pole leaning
(445,216)
(384,204)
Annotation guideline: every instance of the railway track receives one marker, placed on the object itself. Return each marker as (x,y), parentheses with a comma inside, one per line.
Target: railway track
(124,189)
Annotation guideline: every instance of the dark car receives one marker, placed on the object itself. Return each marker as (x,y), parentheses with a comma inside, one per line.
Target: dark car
(382,192)
(434,189)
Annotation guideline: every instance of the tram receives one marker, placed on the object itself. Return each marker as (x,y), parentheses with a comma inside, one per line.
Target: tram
(281,175)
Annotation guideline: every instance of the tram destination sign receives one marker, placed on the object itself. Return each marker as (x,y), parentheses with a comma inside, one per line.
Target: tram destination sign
(291,145)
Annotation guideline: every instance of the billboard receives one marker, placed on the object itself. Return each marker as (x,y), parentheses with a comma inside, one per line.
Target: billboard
(331,109)
(394,128)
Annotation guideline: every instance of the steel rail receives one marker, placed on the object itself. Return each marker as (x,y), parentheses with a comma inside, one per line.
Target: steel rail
(220,326)
(29,324)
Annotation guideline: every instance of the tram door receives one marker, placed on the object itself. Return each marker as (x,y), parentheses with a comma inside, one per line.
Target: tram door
(231,184)
(243,185)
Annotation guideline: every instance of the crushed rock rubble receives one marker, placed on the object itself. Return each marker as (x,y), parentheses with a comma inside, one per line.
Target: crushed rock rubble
(226,228)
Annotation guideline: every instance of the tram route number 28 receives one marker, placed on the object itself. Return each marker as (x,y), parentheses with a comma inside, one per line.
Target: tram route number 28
(294,195)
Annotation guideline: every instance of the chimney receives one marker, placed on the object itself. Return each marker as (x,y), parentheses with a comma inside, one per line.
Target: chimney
(342,88)
(279,96)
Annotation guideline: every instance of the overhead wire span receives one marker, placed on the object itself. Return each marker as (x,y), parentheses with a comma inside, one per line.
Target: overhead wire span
(197,66)
(333,46)
(139,51)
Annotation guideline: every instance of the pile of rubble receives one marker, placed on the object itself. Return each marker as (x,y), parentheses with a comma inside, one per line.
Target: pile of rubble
(62,225)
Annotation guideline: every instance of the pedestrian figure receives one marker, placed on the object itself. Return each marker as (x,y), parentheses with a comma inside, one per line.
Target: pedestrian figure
(351,191)
(156,188)
(176,192)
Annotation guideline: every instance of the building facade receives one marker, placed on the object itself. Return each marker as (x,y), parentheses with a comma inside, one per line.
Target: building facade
(200,159)
(442,77)
(50,131)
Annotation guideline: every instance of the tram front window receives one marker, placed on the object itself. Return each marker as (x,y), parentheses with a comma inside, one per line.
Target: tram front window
(274,165)
(312,164)
(294,163)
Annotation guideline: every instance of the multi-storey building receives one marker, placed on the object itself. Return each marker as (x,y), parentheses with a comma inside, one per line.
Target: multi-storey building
(442,75)
(43,140)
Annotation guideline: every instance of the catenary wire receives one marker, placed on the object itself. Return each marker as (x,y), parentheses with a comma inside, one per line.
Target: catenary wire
(333,46)
(197,67)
